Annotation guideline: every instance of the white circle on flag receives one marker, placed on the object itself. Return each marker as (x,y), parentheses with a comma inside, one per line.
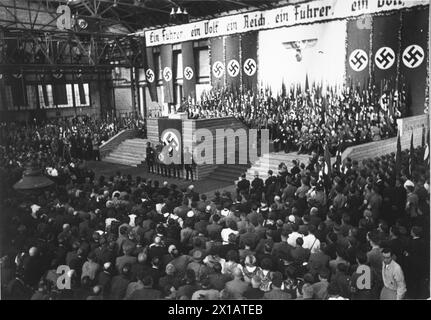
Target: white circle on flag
(233,68)
(413,56)
(218,69)
(385,58)
(250,67)
(167,74)
(188,73)
(170,138)
(358,60)
(149,74)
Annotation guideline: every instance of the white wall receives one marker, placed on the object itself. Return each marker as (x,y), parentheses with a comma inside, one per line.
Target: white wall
(323,62)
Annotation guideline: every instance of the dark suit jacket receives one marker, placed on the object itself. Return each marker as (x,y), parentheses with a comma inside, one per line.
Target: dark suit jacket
(277,294)
(146,294)
(299,254)
(118,287)
(244,185)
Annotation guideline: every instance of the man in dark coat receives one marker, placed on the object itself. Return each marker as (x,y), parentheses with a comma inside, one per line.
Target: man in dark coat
(147,292)
(243,185)
(257,186)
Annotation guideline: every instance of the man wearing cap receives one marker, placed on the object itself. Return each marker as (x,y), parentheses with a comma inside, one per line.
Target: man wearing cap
(257,186)
(150,158)
(177,260)
(200,269)
(243,186)
(270,186)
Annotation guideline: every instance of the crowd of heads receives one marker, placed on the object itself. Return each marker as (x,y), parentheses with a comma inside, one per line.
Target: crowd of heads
(297,234)
(59,143)
(306,119)
(304,232)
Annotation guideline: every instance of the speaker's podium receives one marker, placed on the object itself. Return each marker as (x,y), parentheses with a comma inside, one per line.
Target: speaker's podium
(178,127)
(178,115)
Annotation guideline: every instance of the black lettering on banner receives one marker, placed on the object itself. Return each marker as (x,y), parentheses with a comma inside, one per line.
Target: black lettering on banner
(389,3)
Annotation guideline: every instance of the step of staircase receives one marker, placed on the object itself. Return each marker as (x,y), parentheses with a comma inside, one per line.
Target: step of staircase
(228,172)
(130,152)
(270,161)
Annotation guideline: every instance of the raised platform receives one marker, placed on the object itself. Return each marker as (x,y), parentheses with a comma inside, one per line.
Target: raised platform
(407,126)
(130,152)
(270,161)
(188,129)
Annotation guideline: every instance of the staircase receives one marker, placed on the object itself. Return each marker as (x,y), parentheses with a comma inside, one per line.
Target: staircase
(270,161)
(130,152)
(228,172)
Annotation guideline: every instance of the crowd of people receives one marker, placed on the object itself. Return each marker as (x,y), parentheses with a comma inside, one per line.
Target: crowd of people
(56,145)
(359,230)
(299,234)
(303,120)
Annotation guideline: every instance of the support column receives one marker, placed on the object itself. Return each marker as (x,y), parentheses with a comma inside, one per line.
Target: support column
(429,113)
(2,74)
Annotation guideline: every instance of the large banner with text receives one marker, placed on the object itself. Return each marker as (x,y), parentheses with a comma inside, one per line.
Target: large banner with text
(289,15)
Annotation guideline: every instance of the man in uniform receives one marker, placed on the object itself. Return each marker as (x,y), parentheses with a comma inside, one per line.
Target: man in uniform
(257,186)
(159,163)
(151,154)
(243,185)
(188,164)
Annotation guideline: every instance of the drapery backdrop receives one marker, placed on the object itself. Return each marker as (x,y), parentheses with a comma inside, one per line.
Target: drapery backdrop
(321,55)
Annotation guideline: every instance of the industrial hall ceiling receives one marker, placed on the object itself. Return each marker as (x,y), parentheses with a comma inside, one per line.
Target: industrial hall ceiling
(35,36)
(138,14)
